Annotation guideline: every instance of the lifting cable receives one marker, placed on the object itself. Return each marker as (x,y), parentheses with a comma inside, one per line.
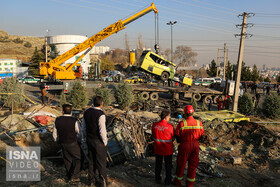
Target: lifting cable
(156,34)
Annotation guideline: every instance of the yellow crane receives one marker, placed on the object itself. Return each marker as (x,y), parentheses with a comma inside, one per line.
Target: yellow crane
(54,69)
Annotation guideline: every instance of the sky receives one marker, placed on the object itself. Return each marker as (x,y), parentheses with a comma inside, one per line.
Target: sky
(203,25)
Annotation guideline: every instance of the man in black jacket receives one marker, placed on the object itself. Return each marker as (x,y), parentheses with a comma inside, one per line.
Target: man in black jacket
(94,127)
(67,131)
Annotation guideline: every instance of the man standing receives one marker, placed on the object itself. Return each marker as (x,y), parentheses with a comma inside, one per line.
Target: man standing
(94,126)
(163,134)
(44,95)
(187,134)
(67,131)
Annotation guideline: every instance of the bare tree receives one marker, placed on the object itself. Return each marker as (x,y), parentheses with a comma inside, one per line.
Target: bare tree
(127,46)
(184,56)
(167,53)
(139,46)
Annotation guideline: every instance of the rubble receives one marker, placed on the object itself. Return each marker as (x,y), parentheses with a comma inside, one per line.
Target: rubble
(243,143)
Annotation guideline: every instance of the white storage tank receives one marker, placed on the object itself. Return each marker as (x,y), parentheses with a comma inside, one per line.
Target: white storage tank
(64,43)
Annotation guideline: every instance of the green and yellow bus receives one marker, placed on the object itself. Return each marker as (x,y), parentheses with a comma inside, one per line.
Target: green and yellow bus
(156,65)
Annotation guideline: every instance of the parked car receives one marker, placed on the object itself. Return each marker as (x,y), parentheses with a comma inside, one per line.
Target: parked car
(29,80)
(133,80)
(107,79)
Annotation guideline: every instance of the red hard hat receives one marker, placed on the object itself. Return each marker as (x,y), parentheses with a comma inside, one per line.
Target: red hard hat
(188,109)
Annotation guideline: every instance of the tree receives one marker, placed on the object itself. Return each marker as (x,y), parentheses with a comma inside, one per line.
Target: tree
(245,104)
(167,53)
(245,73)
(78,95)
(271,106)
(11,85)
(255,73)
(267,79)
(105,93)
(184,56)
(27,44)
(63,99)
(36,58)
(124,95)
(212,70)
(107,64)
(54,53)
(229,71)
(139,47)
(18,41)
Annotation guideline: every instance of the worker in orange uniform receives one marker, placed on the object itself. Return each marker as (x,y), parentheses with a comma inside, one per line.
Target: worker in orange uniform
(187,133)
(163,134)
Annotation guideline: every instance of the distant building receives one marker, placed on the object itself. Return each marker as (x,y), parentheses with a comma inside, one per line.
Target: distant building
(264,67)
(12,68)
(97,50)
(63,43)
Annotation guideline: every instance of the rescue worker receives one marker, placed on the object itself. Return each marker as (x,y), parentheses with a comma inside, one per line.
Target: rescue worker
(94,127)
(44,95)
(68,132)
(163,134)
(187,133)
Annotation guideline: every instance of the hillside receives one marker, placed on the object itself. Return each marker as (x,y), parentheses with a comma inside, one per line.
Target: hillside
(12,46)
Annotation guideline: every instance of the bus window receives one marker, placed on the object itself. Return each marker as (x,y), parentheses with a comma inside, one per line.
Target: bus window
(155,58)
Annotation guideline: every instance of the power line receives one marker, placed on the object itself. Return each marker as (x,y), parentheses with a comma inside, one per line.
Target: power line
(215,5)
(226,12)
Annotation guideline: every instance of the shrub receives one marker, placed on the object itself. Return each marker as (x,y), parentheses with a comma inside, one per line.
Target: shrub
(271,106)
(78,95)
(11,85)
(245,104)
(194,104)
(18,41)
(27,44)
(124,95)
(63,99)
(105,93)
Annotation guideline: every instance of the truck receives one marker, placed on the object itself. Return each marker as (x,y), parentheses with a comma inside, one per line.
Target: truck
(53,71)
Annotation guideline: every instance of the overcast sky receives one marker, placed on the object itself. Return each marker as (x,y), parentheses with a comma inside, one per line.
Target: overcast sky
(204,25)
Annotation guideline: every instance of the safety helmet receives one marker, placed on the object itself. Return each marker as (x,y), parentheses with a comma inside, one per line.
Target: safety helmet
(188,109)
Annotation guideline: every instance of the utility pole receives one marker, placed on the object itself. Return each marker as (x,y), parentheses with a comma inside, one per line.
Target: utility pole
(227,61)
(218,65)
(46,45)
(171,24)
(243,35)
(225,46)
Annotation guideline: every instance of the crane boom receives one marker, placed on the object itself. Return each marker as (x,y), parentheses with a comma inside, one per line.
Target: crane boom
(54,68)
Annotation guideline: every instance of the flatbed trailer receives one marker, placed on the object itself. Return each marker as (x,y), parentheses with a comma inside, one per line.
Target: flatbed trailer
(66,86)
(197,93)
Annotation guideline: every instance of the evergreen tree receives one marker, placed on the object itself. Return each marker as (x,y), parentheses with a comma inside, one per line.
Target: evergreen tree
(124,95)
(255,73)
(212,70)
(105,93)
(78,95)
(63,99)
(267,79)
(36,58)
(229,71)
(54,53)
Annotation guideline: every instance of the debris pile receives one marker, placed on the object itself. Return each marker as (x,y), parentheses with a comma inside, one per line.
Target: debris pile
(244,143)
(129,136)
